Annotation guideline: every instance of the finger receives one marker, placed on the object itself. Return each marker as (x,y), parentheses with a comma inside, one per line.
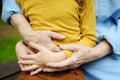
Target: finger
(36,46)
(25,62)
(21,66)
(73,66)
(64,63)
(28,57)
(53,69)
(72,47)
(29,68)
(36,71)
(52,46)
(57,36)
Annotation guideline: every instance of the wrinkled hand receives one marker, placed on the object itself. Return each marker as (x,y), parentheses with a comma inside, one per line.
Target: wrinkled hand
(44,38)
(50,69)
(81,54)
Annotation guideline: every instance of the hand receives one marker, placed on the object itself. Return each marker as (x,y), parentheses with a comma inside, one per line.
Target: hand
(22,50)
(44,37)
(42,57)
(50,69)
(81,54)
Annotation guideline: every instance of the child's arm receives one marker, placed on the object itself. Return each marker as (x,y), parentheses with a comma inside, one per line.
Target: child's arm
(88,25)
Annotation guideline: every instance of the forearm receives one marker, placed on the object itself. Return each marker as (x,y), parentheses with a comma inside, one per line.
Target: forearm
(92,54)
(101,50)
(21,24)
(83,54)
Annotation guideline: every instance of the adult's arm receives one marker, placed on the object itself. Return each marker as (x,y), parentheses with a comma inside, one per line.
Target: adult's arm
(8,9)
(112,35)
(12,14)
(42,37)
(83,54)
(111,43)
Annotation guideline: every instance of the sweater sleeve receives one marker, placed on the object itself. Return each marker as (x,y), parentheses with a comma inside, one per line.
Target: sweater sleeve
(8,9)
(88,24)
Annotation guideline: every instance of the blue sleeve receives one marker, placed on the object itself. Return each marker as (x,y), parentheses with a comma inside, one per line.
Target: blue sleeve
(113,37)
(116,15)
(8,9)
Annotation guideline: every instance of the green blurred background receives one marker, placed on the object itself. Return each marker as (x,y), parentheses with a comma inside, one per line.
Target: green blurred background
(8,39)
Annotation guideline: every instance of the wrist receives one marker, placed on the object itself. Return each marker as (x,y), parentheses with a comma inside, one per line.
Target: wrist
(28,36)
(27,33)
(96,53)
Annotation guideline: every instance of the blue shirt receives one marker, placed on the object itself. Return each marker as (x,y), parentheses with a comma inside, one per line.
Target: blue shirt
(108,27)
(9,7)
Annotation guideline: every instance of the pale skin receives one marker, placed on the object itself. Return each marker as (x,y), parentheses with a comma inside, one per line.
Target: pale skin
(36,60)
(42,57)
(81,55)
(78,57)
(43,37)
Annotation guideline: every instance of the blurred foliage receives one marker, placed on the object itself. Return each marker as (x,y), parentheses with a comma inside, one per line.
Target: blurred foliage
(7,48)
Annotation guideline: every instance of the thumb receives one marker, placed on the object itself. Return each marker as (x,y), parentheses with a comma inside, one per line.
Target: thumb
(57,36)
(73,47)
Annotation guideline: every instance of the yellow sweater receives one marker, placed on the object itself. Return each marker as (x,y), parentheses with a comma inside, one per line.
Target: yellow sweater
(67,17)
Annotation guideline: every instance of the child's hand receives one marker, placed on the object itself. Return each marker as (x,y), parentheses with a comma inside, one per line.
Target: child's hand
(43,37)
(42,57)
(22,50)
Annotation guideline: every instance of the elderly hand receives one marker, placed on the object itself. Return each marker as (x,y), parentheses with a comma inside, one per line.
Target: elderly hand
(50,69)
(81,54)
